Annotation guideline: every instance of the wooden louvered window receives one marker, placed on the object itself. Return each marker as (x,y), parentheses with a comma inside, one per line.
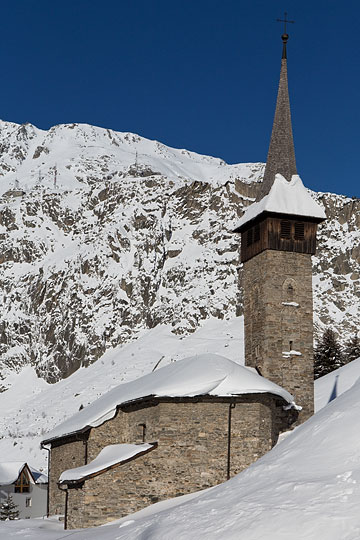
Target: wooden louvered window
(299,231)
(22,484)
(249,237)
(285,229)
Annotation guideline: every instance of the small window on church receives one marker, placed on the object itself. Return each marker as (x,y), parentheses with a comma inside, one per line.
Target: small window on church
(22,484)
(249,237)
(290,291)
(299,231)
(257,233)
(143,431)
(285,229)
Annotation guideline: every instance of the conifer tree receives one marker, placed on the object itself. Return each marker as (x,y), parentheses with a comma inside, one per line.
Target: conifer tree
(328,354)
(352,349)
(9,510)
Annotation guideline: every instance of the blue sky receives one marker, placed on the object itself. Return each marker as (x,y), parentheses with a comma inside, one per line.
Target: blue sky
(198,74)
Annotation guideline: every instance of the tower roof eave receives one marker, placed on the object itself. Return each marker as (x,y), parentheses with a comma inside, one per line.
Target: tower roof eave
(285,198)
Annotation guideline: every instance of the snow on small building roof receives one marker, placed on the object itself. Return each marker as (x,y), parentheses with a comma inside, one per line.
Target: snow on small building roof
(39,477)
(10,471)
(285,197)
(206,374)
(109,457)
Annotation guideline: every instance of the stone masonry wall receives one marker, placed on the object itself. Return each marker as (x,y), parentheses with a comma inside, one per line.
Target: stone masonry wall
(278,317)
(66,456)
(191,454)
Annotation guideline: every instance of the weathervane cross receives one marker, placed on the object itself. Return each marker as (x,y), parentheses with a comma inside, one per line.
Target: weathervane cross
(285,20)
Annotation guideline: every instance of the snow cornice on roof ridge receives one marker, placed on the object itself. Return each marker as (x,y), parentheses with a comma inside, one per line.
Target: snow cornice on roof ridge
(285,198)
(206,375)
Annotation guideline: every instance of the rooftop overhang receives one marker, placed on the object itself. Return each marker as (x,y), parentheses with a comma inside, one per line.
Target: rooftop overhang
(243,226)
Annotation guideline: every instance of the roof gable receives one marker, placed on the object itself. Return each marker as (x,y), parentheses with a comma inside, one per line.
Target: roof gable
(11,470)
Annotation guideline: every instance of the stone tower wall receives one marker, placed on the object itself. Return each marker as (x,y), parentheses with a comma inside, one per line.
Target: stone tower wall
(278,313)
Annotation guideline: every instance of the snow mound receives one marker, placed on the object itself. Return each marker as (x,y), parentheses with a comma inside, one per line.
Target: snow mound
(209,374)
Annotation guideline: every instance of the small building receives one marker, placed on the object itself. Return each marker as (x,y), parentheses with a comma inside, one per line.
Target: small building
(187,426)
(27,487)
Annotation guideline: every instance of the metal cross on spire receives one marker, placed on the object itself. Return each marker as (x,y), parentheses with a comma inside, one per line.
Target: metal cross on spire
(285,20)
(281,154)
(285,36)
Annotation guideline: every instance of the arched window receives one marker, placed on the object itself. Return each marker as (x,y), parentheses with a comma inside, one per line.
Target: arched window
(289,290)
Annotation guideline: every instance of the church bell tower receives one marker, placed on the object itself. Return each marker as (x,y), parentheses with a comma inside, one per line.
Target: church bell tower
(278,237)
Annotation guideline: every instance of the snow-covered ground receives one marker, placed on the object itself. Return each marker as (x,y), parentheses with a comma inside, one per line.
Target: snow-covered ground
(306,488)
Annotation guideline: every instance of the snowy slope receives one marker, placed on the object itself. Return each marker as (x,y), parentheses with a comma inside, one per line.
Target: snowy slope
(337,382)
(306,488)
(31,407)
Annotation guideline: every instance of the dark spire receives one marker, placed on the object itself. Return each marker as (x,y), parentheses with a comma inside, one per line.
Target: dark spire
(281,154)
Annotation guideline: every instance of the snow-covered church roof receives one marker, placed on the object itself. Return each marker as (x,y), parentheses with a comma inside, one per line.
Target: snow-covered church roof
(206,374)
(285,197)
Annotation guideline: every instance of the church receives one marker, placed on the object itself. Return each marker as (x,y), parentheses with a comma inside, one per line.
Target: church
(197,422)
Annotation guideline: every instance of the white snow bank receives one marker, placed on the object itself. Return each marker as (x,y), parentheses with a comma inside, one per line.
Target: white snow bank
(109,456)
(209,374)
(285,198)
(332,385)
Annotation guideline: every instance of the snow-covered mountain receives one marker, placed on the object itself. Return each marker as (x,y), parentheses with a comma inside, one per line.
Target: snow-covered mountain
(104,235)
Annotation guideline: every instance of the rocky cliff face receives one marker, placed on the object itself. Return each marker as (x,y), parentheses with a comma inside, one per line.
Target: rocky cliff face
(104,234)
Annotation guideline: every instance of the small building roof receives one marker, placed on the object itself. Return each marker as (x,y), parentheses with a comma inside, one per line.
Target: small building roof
(10,471)
(291,198)
(109,457)
(206,374)
(39,477)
